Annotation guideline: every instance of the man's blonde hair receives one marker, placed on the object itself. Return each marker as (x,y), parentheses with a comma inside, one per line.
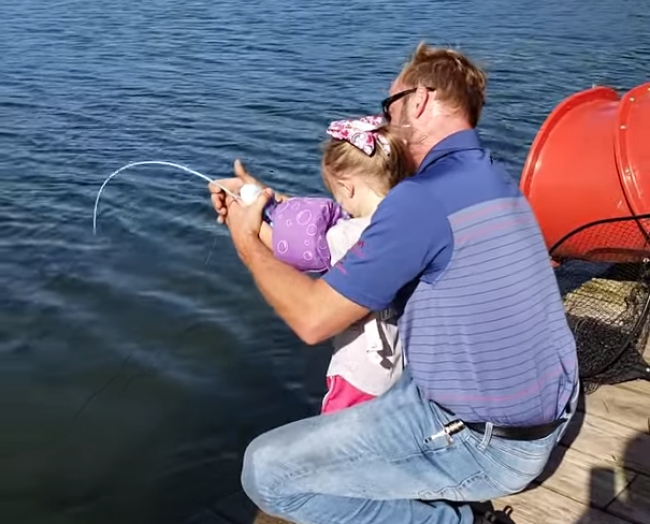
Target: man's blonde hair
(456,79)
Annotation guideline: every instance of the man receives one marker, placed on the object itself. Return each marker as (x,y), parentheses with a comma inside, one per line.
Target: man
(491,377)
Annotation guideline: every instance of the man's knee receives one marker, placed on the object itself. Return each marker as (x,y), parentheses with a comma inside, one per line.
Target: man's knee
(260,472)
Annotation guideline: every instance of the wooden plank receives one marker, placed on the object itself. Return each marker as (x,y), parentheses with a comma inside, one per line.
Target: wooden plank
(584,478)
(263,518)
(621,405)
(614,443)
(209,517)
(634,503)
(543,506)
(640,386)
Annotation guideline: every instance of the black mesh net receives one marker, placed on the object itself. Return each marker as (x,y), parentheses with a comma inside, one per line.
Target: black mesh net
(604,278)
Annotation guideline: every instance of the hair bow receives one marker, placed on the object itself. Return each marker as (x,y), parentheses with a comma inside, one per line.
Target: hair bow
(361,133)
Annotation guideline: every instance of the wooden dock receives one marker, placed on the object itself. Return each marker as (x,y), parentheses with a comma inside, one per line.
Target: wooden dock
(599,475)
(601,472)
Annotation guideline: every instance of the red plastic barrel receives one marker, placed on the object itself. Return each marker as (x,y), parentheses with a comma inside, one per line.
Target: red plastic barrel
(591,161)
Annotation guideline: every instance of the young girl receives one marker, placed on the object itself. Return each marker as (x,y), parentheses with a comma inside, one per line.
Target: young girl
(361,162)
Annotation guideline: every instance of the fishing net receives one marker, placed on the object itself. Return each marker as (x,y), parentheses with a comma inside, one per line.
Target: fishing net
(604,278)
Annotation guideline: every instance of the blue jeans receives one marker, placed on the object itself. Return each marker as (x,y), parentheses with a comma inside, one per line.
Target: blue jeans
(374,463)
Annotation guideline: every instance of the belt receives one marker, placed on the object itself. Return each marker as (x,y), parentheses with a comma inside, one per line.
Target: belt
(504,432)
(517,432)
(507,432)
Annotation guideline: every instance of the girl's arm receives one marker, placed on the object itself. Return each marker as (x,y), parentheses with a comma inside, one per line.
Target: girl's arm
(298,233)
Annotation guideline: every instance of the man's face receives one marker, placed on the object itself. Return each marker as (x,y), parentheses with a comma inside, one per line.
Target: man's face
(396,108)
(397,111)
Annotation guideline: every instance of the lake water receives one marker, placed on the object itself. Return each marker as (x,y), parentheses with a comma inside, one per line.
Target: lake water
(136,364)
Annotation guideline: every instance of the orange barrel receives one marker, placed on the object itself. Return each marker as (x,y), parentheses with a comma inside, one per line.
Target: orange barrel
(591,161)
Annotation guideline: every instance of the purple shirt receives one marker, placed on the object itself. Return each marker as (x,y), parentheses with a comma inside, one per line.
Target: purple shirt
(299,233)
(456,248)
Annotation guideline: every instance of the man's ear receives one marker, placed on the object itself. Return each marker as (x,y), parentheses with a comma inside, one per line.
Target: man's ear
(421,97)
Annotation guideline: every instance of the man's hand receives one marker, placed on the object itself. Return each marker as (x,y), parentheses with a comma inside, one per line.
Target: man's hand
(234,184)
(245,221)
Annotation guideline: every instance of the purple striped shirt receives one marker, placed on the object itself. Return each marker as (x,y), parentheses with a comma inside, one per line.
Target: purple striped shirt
(458,251)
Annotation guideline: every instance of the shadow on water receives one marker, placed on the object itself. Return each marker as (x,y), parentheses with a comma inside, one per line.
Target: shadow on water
(180,450)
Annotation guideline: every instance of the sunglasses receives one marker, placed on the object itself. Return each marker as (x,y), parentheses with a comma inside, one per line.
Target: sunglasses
(386,103)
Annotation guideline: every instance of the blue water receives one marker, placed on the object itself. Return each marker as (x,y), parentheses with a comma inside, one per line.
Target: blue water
(137,364)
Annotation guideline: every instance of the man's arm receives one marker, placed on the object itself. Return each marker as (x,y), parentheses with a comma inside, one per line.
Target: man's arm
(408,234)
(311,308)
(266,235)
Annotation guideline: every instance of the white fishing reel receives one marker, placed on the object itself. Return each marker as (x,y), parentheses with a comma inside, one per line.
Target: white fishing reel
(249,193)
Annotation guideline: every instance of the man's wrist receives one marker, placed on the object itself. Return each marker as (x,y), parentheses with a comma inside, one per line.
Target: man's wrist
(249,248)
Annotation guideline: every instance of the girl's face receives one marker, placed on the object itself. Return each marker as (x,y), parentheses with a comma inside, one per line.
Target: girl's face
(353,193)
(344,190)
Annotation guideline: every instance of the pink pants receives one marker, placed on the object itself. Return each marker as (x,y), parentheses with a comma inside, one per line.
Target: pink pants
(341,394)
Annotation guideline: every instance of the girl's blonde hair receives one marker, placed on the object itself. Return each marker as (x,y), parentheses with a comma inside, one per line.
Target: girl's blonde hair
(384,170)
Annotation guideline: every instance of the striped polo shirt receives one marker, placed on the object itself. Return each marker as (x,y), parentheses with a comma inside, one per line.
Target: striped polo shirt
(457,251)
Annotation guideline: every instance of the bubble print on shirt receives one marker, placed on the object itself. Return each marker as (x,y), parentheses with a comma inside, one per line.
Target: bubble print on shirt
(300,226)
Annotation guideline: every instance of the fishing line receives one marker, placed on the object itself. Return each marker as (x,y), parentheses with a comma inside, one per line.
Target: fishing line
(157,162)
(125,361)
(67,432)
